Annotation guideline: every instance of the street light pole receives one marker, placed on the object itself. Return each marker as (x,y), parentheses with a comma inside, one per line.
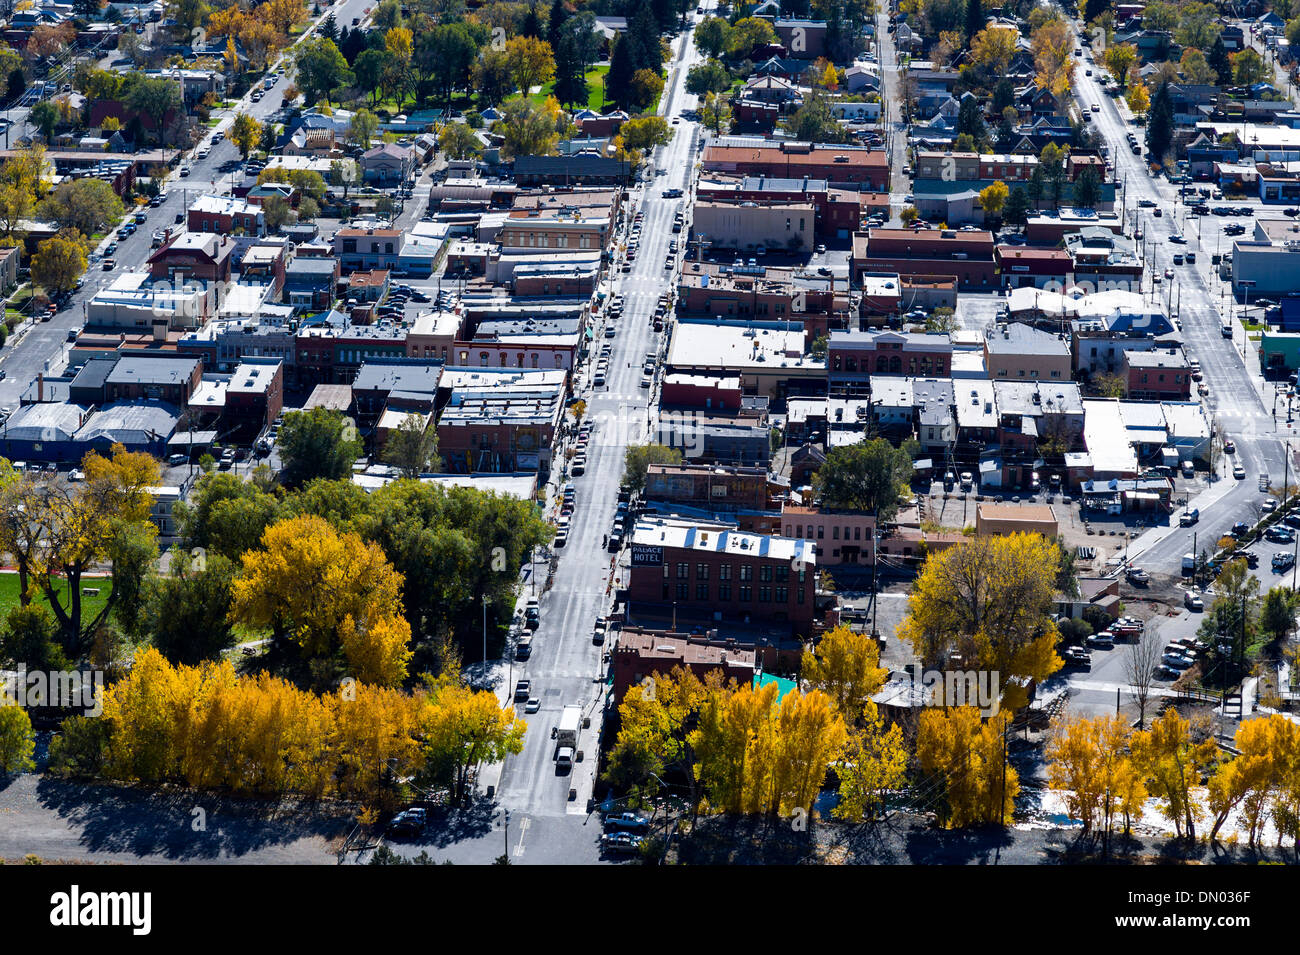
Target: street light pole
(485,606)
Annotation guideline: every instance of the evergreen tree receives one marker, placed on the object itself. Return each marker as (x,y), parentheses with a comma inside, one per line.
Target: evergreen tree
(329,28)
(646,31)
(1219,62)
(559,14)
(532,25)
(1094,8)
(1016,209)
(974,18)
(1004,95)
(570,81)
(1160,124)
(970,120)
(618,81)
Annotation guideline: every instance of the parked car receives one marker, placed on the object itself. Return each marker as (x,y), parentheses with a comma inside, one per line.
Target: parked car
(408,822)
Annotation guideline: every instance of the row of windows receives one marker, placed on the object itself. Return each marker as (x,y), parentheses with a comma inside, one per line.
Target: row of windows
(892,364)
(744,593)
(533,240)
(485,359)
(798,530)
(766,572)
(1033,373)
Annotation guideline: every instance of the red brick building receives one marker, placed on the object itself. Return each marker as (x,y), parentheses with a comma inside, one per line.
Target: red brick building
(1026,267)
(714,572)
(1161,374)
(839,165)
(225,215)
(970,256)
(710,392)
(712,487)
(643,653)
(193,255)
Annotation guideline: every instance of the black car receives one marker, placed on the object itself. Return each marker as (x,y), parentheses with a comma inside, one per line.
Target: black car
(1252,559)
(1238,529)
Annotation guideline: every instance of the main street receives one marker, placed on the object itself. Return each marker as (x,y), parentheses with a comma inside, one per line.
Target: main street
(1234,404)
(565,666)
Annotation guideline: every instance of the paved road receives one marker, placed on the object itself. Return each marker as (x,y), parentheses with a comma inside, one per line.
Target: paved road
(565,666)
(1234,404)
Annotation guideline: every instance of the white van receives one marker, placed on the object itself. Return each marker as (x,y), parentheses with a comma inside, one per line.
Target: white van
(564,758)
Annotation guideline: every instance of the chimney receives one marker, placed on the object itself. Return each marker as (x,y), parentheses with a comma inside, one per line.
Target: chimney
(40,386)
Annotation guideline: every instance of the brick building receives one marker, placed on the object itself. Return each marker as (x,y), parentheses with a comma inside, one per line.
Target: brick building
(717,573)
(971,255)
(839,165)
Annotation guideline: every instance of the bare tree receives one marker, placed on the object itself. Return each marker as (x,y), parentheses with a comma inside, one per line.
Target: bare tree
(1140,667)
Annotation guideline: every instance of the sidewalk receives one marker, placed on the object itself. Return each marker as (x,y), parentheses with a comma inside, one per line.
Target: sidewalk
(1216,492)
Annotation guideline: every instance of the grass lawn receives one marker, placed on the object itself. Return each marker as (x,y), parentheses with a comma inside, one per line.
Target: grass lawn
(595,88)
(89,605)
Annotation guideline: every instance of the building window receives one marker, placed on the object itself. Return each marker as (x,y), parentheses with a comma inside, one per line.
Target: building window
(746,593)
(683,590)
(702,591)
(782,595)
(683,570)
(701,571)
(765,572)
(765,595)
(724,572)
(724,592)
(746,571)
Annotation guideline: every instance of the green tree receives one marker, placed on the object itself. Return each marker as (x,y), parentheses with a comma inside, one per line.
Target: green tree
(362,128)
(638,457)
(30,637)
(320,70)
(712,35)
(813,121)
(869,476)
(708,77)
(186,616)
(458,141)
(1087,189)
(1016,209)
(88,205)
(1248,68)
(413,447)
(1160,125)
(154,97)
(317,443)
(45,117)
(277,213)
(1278,611)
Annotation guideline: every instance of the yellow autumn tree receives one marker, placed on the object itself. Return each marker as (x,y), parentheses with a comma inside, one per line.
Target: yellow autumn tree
(993,48)
(846,666)
(988,599)
(993,197)
(1171,763)
(1120,59)
(874,762)
(962,758)
(755,756)
(1090,762)
(1139,98)
(1053,48)
(1249,780)
(305,583)
(462,728)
